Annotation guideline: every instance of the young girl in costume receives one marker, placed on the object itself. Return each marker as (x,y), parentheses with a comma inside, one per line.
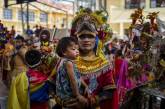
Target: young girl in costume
(68,81)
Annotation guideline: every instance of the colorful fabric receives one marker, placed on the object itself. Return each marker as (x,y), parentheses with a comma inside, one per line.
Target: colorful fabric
(63,87)
(36,77)
(18,95)
(38,86)
(120,74)
(98,76)
(40,95)
(28,87)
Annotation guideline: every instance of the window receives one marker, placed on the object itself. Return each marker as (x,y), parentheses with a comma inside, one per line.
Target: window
(87,4)
(31,16)
(7,14)
(157,3)
(43,17)
(132,4)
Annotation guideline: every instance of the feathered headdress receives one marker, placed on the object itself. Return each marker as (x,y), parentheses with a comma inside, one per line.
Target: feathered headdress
(137,16)
(93,23)
(98,19)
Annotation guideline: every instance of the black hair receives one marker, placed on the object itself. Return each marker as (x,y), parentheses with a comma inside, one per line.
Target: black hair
(63,44)
(33,58)
(119,53)
(19,37)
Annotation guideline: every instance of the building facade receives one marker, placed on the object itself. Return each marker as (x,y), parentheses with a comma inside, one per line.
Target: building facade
(48,15)
(120,11)
(93,4)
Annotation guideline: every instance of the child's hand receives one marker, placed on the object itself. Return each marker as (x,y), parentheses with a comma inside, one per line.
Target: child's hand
(87,92)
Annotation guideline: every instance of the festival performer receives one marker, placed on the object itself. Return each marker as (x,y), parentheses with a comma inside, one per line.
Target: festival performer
(29,90)
(92,64)
(153,26)
(12,32)
(162,76)
(6,59)
(136,28)
(120,74)
(69,84)
(45,41)
(17,62)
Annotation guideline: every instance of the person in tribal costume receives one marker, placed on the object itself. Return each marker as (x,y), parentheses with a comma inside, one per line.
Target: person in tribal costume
(120,75)
(17,63)
(93,65)
(45,44)
(29,90)
(162,76)
(6,59)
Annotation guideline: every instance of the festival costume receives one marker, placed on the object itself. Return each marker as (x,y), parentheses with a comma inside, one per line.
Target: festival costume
(98,76)
(6,59)
(18,95)
(95,71)
(120,75)
(38,90)
(140,78)
(29,90)
(18,63)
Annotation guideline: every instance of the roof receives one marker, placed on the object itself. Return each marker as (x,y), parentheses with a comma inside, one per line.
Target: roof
(62,6)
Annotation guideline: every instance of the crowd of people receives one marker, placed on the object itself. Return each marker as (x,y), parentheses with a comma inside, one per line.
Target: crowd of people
(82,71)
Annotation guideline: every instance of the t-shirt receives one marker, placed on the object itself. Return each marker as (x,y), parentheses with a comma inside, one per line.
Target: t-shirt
(29,32)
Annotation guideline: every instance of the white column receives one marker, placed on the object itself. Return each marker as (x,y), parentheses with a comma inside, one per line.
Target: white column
(121,29)
(147,4)
(1,12)
(122,4)
(50,18)
(97,4)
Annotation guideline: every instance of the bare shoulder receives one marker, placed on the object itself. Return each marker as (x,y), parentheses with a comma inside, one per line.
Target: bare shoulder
(69,64)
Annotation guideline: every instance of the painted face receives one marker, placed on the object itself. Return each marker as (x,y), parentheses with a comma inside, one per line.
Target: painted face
(72,51)
(86,42)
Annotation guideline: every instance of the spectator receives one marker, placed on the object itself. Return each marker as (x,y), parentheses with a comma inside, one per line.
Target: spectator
(163,4)
(37,31)
(12,32)
(29,31)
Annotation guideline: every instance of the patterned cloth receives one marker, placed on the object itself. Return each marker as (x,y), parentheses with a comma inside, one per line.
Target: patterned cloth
(120,75)
(63,87)
(97,74)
